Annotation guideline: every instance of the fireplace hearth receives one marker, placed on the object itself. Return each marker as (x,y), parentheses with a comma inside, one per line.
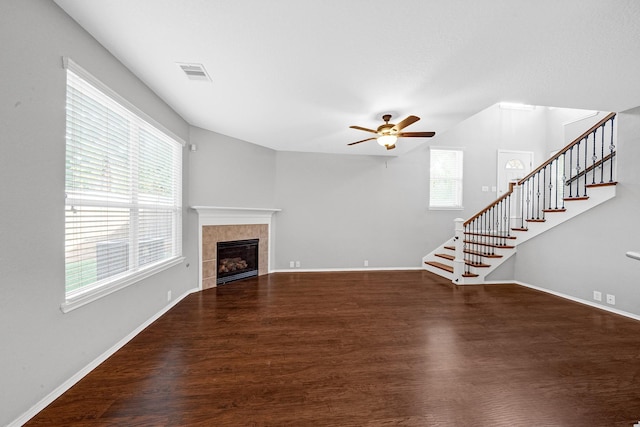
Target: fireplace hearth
(237,260)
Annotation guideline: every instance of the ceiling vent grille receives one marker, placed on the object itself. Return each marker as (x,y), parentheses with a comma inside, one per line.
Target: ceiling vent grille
(195,71)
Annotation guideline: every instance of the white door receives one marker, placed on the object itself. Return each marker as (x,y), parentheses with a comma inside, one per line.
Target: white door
(512,166)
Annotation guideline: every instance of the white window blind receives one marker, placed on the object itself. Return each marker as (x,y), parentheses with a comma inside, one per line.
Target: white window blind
(123,190)
(445,179)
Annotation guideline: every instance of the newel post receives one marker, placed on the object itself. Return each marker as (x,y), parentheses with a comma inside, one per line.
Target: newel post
(458,262)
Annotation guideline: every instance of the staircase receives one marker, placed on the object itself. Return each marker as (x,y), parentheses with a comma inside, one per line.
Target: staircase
(574,180)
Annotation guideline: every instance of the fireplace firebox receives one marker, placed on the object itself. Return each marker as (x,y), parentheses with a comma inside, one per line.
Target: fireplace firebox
(237,260)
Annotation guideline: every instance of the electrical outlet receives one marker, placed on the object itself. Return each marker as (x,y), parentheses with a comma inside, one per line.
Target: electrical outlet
(366,263)
(298,264)
(291,264)
(597,295)
(168,295)
(611,299)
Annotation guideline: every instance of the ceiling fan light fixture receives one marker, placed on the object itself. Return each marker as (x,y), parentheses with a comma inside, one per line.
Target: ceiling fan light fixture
(387,134)
(387,140)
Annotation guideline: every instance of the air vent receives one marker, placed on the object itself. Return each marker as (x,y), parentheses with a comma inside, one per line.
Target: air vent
(195,71)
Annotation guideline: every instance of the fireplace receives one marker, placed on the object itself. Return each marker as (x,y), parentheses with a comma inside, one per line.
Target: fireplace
(223,224)
(237,260)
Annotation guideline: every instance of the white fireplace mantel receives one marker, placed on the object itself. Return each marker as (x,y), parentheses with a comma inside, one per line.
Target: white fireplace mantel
(218,215)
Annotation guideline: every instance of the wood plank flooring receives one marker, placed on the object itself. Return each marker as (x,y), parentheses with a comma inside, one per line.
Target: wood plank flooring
(403,348)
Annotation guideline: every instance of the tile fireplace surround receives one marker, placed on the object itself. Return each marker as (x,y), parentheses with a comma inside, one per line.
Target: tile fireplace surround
(221,224)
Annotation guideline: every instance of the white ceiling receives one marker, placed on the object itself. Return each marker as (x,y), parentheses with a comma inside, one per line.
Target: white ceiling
(295,74)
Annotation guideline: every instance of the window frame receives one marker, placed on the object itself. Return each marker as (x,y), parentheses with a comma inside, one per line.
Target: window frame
(459,179)
(101,288)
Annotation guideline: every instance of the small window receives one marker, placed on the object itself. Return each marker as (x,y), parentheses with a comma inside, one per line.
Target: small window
(445,188)
(514,164)
(123,186)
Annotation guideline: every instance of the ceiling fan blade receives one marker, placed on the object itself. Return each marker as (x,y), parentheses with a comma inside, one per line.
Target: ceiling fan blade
(416,134)
(358,142)
(364,129)
(406,122)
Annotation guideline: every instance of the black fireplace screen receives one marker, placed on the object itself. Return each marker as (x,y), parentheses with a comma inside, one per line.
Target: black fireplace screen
(237,260)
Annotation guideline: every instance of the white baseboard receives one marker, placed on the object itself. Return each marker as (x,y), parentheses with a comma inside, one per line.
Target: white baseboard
(331,270)
(569,297)
(62,388)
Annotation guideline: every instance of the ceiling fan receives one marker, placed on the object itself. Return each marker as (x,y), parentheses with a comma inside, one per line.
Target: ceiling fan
(388,133)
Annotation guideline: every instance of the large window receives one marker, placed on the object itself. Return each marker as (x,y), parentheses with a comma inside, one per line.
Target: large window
(445,187)
(123,191)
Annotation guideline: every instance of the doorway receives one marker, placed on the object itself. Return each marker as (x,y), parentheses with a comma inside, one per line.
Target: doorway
(512,166)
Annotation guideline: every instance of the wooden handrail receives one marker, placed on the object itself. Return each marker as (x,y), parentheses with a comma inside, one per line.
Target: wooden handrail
(545,164)
(495,202)
(568,147)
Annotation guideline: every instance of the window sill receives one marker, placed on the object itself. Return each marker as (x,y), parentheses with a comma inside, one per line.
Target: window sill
(95,294)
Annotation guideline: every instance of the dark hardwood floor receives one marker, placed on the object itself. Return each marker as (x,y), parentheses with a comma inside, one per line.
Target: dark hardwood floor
(402,348)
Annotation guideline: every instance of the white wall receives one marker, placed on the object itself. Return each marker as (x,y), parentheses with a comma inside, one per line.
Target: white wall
(588,252)
(42,347)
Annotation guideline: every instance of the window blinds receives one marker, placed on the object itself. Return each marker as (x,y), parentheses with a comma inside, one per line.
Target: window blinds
(123,190)
(445,179)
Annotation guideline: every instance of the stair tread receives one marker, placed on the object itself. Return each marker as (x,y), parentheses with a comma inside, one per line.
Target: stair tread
(536,220)
(602,184)
(480,265)
(448,268)
(490,245)
(571,199)
(489,235)
(469,251)
(519,229)
(482,254)
(446,256)
(440,265)
(554,210)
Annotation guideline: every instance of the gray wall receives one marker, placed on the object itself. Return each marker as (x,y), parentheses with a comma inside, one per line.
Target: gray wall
(588,252)
(42,347)
(481,136)
(230,172)
(339,210)
(564,125)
